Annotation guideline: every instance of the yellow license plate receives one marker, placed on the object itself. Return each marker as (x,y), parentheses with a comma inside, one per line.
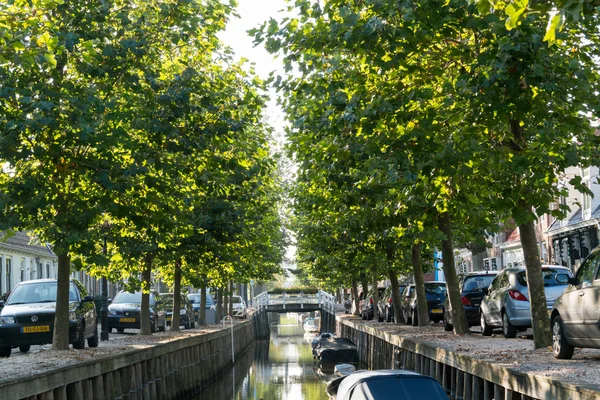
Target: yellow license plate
(437,310)
(168,319)
(127,320)
(36,329)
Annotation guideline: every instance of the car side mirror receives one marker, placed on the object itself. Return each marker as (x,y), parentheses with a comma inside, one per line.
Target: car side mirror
(109,301)
(572,281)
(191,301)
(159,302)
(1,303)
(88,298)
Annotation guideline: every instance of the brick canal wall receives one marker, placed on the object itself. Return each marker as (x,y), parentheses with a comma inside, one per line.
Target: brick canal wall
(463,377)
(173,370)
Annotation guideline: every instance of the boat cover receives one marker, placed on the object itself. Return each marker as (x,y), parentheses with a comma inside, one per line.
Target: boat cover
(336,350)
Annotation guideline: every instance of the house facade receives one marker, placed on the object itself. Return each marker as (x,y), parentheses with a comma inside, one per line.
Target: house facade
(23,258)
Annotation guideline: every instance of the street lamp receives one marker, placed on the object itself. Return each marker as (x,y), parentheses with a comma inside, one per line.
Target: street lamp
(104,334)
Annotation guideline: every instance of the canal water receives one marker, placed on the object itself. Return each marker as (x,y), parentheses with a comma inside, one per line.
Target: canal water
(282,368)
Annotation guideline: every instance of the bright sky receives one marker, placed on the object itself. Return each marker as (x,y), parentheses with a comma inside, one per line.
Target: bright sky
(252,14)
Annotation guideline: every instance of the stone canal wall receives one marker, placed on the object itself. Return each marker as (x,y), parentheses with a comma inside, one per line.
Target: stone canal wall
(172,370)
(463,377)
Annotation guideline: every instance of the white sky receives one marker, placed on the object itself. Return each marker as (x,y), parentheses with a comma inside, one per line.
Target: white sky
(254,13)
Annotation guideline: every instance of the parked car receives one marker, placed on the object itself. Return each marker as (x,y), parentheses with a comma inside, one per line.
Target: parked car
(435,292)
(124,312)
(28,316)
(575,317)
(507,306)
(405,299)
(186,310)
(386,304)
(386,385)
(239,307)
(473,287)
(195,297)
(367,310)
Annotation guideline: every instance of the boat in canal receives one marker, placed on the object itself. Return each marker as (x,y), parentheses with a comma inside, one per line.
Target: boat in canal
(311,324)
(334,350)
(387,384)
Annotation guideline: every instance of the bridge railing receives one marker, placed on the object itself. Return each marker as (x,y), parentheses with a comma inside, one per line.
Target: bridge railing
(324,299)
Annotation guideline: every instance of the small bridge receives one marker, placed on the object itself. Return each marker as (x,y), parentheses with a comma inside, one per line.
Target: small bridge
(293,302)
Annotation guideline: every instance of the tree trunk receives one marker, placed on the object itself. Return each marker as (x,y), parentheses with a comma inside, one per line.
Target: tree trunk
(176,297)
(459,319)
(230,299)
(365,285)
(202,311)
(60,338)
(355,296)
(422,307)
(225,297)
(219,313)
(535,283)
(396,299)
(375,297)
(145,306)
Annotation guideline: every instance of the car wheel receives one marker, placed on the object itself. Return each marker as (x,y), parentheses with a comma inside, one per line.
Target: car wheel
(407,319)
(163,327)
(486,330)
(24,348)
(110,329)
(388,315)
(93,341)
(415,318)
(193,324)
(509,330)
(5,351)
(79,344)
(120,330)
(560,346)
(153,326)
(447,326)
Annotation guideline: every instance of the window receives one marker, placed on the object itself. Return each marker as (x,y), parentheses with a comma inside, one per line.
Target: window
(587,272)
(48,270)
(8,271)
(39,270)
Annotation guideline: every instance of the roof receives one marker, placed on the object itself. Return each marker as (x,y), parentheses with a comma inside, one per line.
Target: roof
(596,213)
(514,236)
(21,241)
(576,218)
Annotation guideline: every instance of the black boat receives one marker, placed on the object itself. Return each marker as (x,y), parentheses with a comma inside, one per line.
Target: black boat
(332,350)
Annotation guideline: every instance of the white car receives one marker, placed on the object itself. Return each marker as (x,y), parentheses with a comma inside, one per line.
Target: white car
(239,307)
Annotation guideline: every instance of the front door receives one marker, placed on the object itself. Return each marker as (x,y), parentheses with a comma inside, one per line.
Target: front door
(575,299)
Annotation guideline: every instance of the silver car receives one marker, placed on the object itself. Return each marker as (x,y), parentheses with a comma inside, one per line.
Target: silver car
(506,304)
(576,314)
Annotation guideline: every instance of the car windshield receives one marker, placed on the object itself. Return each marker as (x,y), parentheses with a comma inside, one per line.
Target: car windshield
(474,283)
(40,292)
(435,288)
(236,300)
(126,297)
(168,299)
(196,298)
(549,275)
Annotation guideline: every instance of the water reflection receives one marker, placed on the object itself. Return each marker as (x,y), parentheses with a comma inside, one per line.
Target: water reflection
(282,368)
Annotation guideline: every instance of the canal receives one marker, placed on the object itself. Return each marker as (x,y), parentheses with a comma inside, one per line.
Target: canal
(282,368)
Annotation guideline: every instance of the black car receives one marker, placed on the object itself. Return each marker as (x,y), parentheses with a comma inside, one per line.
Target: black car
(124,312)
(195,297)
(386,304)
(473,287)
(435,292)
(186,311)
(28,316)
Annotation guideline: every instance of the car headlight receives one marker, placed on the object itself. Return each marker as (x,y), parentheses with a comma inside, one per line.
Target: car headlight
(112,312)
(182,312)
(7,320)
(72,316)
